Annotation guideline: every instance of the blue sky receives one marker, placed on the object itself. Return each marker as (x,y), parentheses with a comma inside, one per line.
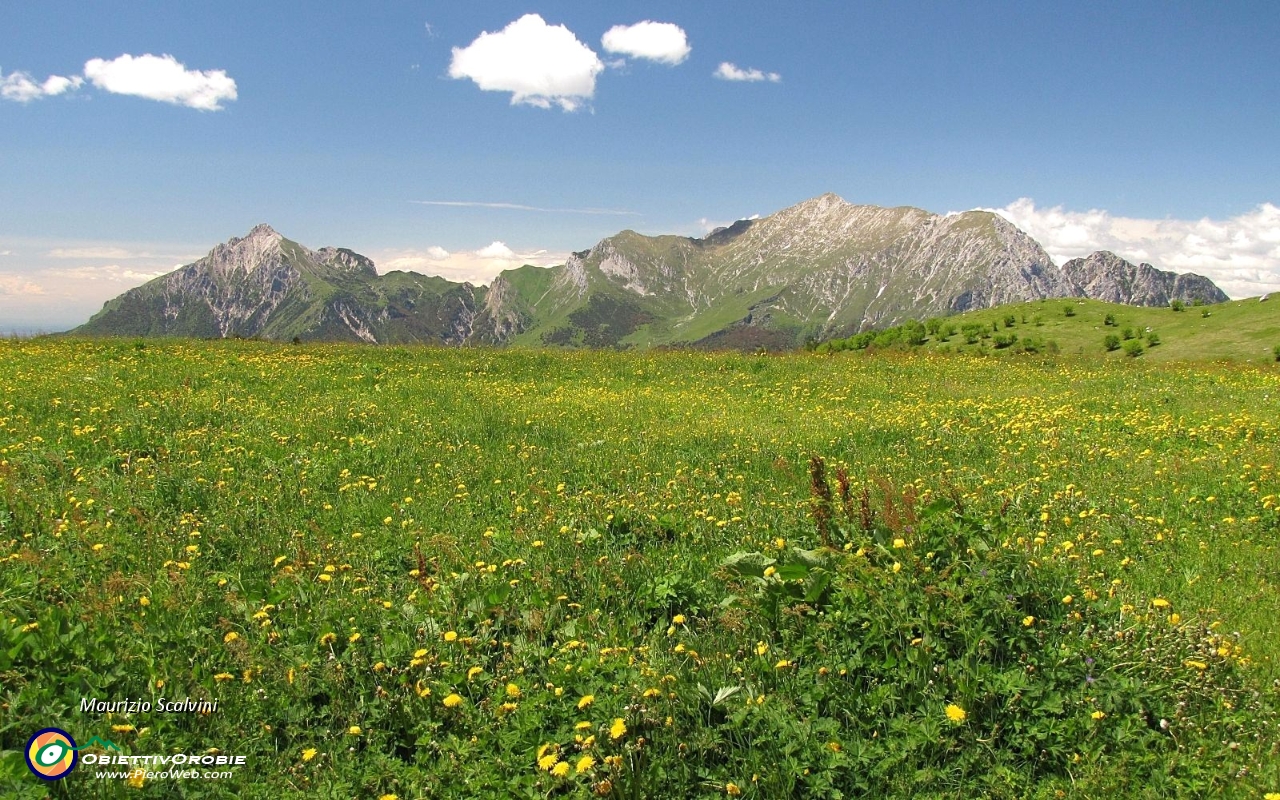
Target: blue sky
(1148,128)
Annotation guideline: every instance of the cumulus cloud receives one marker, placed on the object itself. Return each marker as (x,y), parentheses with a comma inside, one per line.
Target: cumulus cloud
(162,78)
(663,42)
(475,266)
(1241,254)
(539,64)
(22,88)
(727,71)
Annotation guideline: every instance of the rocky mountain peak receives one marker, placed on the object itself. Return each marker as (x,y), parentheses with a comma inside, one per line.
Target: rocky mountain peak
(1103,275)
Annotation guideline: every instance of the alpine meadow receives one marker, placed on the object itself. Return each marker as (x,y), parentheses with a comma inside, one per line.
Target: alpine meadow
(672,400)
(429,572)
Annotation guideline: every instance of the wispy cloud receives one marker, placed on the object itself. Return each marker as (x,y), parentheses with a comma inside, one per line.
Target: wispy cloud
(1241,254)
(728,71)
(520,207)
(22,88)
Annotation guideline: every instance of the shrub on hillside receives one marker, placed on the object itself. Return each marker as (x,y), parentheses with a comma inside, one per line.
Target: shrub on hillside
(1133,348)
(1111,342)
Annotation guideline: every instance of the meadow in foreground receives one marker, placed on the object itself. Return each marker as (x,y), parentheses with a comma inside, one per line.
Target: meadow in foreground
(480,573)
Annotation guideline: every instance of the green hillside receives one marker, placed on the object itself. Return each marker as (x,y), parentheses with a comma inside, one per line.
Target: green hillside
(1241,330)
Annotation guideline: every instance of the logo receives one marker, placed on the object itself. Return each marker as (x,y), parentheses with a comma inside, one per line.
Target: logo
(51,754)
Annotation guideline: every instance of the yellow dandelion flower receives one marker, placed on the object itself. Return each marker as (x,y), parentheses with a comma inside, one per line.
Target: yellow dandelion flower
(474,671)
(897,567)
(389,797)
(329,638)
(451,636)
(955,713)
(122,728)
(1067,600)
(582,726)
(1159,602)
(898,544)
(137,779)
(420,653)
(1028,621)
(560,770)
(513,690)
(1200,665)
(453,700)
(224,676)
(144,601)
(587,700)
(761,648)
(309,754)
(618,729)
(1099,715)
(230,637)
(732,789)
(353,638)
(547,761)
(678,619)
(783,664)
(355,730)
(584,764)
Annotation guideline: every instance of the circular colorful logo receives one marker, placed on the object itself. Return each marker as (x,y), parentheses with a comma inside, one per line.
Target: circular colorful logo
(51,754)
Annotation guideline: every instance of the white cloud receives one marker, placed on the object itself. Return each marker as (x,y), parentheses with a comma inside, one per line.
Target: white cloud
(113,273)
(728,71)
(539,64)
(22,88)
(162,78)
(1240,254)
(475,266)
(18,285)
(663,42)
(113,253)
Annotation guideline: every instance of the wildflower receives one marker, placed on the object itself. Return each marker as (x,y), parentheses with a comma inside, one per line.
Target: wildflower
(230,637)
(513,690)
(353,638)
(1099,714)
(1160,602)
(678,619)
(1067,600)
(899,543)
(761,648)
(605,787)
(355,730)
(584,764)
(618,729)
(955,713)
(1175,618)
(897,567)
(144,601)
(1200,665)
(587,700)
(224,676)
(30,626)
(122,728)
(560,770)
(783,664)
(546,762)
(453,700)
(451,636)
(582,726)
(474,671)
(732,789)
(308,754)
(389,797)
(420,653)
(1028,621)
(328,638)
(137,779)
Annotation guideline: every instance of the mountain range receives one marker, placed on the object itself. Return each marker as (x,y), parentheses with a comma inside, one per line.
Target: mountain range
(822,268)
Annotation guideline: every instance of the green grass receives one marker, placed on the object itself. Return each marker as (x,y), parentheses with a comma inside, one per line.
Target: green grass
(1240,330)
(1032,577)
